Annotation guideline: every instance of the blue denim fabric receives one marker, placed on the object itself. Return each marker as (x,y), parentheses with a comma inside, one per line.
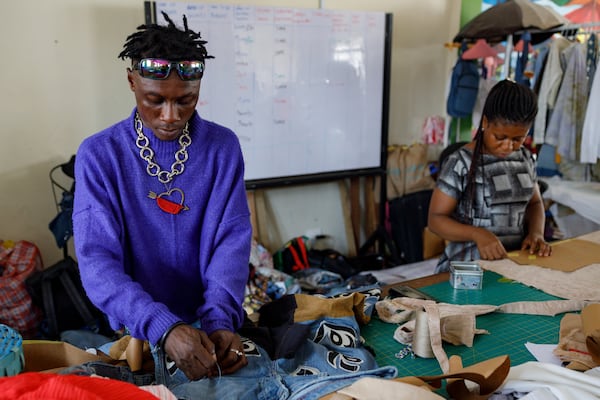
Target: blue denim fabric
(314,372)
(318,279)
(86,339)
(332,357)
(121,373)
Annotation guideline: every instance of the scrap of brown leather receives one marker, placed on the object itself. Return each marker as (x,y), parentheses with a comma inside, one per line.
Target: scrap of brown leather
(579,343)
(475,382)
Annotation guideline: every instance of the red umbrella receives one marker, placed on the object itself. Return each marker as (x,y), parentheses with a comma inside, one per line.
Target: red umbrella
(589,12)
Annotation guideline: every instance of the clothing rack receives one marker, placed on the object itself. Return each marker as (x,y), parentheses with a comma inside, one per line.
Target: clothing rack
(568,30)
(586,26)
(571,31)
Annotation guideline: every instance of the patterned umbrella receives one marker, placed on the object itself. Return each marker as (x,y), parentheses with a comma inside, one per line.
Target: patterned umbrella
(495,23)
(589,12)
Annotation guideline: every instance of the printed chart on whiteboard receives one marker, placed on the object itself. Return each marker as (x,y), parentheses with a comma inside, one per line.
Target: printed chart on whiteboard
(303,89)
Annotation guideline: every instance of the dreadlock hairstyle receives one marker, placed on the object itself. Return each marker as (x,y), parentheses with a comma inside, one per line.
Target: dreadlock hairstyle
(168,42)
(508,102)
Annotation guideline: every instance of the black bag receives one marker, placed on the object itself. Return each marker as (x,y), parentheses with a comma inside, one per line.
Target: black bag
(331,260)
(408,218)
(58,291)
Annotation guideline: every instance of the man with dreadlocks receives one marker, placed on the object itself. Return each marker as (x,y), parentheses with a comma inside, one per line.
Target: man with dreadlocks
(161,217)
(487,201)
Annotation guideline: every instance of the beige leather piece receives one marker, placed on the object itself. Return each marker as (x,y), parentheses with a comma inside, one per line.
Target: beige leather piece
(581,284)
(374,389)
(437,312)
(579,342)
(487,376)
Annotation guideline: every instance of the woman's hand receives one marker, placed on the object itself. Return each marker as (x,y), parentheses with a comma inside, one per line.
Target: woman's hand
(536,243)
(229,350)
(489,246)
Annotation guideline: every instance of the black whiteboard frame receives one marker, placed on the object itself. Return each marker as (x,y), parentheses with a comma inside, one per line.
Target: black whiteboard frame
(151,17)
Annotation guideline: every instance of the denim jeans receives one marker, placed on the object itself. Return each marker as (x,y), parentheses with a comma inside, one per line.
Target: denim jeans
(331,359)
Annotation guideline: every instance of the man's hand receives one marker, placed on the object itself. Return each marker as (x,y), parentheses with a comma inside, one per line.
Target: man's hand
(230,351)
(192,351)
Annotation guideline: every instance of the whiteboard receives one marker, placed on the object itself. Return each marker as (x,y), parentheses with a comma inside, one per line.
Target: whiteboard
(304,89)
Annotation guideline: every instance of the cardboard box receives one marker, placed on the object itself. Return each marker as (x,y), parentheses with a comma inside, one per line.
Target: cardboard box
(53,356)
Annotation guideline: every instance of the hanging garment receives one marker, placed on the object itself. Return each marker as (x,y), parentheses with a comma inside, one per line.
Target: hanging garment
(592,56)
(553,73)
(540,56)
(590,137)
(485,85)
(464,83)
(566,122)
(522,60)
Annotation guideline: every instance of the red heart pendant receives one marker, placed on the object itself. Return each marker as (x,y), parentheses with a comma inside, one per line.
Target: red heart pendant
(165,201)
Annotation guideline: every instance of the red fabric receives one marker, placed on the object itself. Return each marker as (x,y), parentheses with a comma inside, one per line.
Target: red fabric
(16,307)
(39,385)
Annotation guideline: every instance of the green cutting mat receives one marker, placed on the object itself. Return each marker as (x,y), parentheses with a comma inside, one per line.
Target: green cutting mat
(508,333)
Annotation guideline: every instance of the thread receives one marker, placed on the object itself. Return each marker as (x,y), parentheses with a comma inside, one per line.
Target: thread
(421,344)
(220,374)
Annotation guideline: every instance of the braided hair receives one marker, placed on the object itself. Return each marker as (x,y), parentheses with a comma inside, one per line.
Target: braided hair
(168,42)
(509,103)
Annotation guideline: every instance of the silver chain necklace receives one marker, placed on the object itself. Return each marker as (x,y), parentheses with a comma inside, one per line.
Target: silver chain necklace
(171,200)
(147,154)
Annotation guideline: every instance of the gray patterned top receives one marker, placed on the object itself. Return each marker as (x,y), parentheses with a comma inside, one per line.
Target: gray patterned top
(501,197)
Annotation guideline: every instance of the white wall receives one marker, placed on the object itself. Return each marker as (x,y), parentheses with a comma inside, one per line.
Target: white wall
(62,81)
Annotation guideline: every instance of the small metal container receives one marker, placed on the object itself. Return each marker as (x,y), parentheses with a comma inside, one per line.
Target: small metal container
(465,275)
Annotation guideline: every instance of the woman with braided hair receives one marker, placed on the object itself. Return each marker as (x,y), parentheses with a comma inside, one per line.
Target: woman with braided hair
(487,201)
(160,217)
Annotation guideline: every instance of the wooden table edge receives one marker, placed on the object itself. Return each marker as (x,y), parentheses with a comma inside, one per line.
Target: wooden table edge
(419,282)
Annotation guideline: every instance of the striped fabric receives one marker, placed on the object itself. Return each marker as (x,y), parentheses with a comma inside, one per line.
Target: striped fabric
(18,260)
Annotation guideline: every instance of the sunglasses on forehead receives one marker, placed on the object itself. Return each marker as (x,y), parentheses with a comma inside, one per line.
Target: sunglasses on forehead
(158,68)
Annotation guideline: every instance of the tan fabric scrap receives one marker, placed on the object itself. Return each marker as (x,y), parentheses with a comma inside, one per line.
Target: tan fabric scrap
(571,346)
(376,389)
(590,317)
(550,307)
(314,307)
(458,329)
(581,284)
(438,311)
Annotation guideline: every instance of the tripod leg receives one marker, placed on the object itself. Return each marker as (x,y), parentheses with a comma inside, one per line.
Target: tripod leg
(382,242)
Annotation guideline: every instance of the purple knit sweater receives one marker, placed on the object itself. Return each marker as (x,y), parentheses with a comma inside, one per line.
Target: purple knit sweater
(143,267)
